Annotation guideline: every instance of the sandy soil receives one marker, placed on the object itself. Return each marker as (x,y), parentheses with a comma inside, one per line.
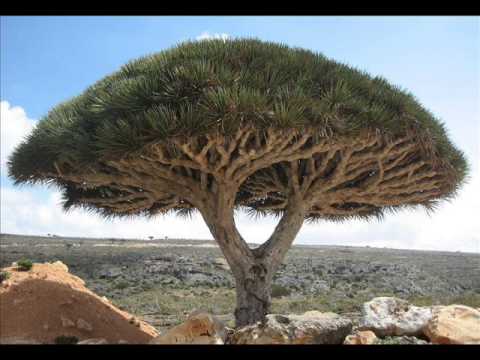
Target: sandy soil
(47,302)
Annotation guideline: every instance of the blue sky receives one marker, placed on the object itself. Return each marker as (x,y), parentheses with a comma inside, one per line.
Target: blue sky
(46,60)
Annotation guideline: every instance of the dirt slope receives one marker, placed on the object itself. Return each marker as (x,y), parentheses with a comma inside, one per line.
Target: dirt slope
(48,301)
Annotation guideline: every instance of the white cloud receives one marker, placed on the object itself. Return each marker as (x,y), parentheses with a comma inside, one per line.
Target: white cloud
(453,227)
(25,211)
(14,126)
(37,211)
(207,36)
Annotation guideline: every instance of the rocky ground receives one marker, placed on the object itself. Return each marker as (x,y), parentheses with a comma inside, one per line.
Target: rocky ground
(163,280)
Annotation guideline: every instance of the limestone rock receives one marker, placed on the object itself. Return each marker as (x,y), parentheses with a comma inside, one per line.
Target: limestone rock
(84,325)
(454,324)
(66,322)
(60,265)
(401,340)
(387,316)
(199,328)
(221,263)
(366,337)
(110,273)
(313,327)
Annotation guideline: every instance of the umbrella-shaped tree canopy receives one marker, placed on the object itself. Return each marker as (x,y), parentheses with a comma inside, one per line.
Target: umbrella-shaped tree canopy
(219,125)
(242,107)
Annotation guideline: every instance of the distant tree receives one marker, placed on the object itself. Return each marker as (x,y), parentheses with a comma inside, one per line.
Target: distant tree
(151,237)
(215,126)
(68,245)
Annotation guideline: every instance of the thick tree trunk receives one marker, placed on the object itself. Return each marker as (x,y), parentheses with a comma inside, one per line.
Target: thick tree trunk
(253,269)
(253,296)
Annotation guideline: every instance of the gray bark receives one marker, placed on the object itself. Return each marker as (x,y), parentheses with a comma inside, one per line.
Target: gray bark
(253,269)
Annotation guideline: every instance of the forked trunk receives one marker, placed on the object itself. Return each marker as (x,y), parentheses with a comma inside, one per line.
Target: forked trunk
(253,296)
(253,269)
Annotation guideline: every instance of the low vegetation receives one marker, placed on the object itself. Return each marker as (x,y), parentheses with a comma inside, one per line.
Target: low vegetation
(279,291)
(122,284)
(4,275)
(24,265)
(162,281)
(469,299)
(66,340)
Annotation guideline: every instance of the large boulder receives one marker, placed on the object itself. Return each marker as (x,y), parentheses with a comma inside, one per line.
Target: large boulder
(390,316)
(199,328)
(454,324)
(366,337)
(313,327)
(48,302)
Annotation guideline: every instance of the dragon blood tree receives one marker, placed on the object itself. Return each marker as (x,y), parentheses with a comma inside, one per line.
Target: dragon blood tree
(216,126)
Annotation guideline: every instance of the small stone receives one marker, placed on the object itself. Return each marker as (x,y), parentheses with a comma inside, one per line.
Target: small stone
(401,340)
(97,341)
(46,327)
(83,325)
(366,337)
(67,322)
(221,263)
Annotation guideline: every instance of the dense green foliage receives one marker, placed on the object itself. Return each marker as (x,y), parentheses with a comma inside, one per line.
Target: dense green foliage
(24,264)
(216,86)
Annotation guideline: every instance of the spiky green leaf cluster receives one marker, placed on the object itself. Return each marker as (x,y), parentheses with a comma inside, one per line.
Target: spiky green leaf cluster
(217,86)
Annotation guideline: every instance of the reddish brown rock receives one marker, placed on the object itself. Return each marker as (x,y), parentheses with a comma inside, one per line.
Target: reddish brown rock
(199,328)
(47,302)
